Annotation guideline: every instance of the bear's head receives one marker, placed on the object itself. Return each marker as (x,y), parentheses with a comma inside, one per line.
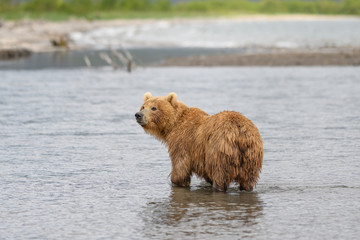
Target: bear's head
(158,115)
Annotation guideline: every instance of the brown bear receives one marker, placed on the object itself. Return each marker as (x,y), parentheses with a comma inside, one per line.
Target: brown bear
(220,148)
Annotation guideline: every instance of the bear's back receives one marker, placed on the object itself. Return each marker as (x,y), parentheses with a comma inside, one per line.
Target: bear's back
(230,123)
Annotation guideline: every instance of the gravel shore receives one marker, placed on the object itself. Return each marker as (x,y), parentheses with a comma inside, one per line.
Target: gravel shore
(342,57)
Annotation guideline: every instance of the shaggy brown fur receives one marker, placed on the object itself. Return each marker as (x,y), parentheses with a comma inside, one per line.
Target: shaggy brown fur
(221,148)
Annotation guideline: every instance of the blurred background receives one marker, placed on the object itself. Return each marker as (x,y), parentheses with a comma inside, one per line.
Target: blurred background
(164,32)
(76,165)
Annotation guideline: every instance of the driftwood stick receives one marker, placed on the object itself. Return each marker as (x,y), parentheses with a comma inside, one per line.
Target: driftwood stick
(87,61)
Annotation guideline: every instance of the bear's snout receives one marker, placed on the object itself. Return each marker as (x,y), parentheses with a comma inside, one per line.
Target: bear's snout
(139,116)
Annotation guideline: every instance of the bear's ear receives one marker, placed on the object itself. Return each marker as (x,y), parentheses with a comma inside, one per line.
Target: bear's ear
(147,96)
(172,98)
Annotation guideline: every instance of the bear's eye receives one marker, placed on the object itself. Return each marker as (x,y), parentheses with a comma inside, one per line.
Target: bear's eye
(154,108)
(142,108)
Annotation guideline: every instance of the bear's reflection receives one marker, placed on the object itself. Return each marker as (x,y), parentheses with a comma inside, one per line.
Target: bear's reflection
(202,210)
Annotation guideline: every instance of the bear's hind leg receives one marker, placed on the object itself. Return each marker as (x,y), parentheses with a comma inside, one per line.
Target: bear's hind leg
(220,175)
(221,181)
(222,188)
(245,186)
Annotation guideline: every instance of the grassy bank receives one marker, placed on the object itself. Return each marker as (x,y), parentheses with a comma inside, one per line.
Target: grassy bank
(110,9)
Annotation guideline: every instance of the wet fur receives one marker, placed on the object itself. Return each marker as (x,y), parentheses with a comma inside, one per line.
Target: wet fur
(220,148)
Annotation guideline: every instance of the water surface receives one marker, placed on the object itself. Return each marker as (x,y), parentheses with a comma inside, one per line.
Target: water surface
(75,164)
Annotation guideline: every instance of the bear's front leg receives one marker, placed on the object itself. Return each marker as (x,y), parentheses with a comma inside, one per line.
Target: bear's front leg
(181,173)
(180,180)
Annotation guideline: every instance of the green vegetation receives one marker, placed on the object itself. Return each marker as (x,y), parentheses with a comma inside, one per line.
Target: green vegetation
(106,9)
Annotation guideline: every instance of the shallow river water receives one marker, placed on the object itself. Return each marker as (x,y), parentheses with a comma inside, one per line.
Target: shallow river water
(75,164)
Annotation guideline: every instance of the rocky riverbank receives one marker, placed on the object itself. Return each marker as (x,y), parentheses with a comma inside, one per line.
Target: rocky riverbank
(46,36)
(14,53)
